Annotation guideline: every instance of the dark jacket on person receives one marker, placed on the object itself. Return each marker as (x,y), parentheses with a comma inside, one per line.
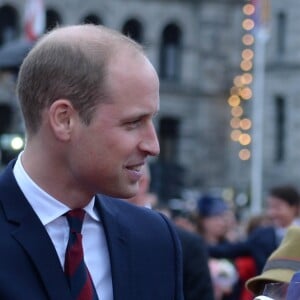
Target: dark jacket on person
(145,252)
(259,244)
(197,282)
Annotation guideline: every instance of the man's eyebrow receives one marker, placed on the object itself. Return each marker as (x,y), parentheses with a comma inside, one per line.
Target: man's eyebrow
(143,114)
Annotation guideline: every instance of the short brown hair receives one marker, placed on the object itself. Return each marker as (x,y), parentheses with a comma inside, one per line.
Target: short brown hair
(69,63)
(287,193)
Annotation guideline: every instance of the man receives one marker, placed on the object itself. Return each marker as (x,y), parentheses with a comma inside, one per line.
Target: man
(283,207)
(88,96)
(197,283)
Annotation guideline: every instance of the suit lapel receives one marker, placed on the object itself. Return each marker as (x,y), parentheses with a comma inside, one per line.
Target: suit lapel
(118,241)
(32,236)
(35,241)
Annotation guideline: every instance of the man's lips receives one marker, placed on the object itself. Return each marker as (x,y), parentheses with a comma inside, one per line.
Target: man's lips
(135,171)
(136,168)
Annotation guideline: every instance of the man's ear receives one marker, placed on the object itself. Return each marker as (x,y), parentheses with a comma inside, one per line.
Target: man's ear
(61,118)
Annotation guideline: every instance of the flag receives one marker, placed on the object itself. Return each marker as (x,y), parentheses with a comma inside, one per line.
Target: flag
(34,19)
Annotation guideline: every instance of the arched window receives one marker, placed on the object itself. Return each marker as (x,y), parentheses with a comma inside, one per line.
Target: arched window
(133,28)
(8,24)
(280,119)
(281,33)
(92,19)
(166,173)
(52,19)
(168,138)
(170,53)
(6,116)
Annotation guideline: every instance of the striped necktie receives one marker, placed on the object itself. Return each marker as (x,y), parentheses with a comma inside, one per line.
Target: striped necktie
(76,271)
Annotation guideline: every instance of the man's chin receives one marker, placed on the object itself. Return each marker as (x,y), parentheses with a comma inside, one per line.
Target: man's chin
(132,192)
(125,193)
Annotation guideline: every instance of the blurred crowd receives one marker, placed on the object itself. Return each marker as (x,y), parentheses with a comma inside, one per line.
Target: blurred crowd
(225,258)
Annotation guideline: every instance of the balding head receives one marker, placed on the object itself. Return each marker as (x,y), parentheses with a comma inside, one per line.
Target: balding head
(70,63)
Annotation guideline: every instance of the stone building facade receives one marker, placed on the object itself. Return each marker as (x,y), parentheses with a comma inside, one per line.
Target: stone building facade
(196,48)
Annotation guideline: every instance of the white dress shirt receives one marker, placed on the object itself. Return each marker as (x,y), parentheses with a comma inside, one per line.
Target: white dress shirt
(50,211)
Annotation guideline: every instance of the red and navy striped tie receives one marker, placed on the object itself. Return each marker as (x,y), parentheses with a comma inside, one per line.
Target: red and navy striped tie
(76,271)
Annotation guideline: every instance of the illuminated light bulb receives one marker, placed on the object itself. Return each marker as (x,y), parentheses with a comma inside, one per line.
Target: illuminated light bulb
(234,100)
(235,134)
(245,124)
(246,65)
(237,111)
(247,78)
(228,194)
(238,81)
(244,154)
(246,93)
(248,24)
(249,9)
(247,54)
(17,143)
(245,139)
(248,39)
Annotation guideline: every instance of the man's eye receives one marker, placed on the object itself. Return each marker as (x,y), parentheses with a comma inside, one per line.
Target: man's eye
(134,124)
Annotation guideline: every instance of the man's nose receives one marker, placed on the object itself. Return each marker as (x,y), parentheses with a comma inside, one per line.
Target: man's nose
(150,143)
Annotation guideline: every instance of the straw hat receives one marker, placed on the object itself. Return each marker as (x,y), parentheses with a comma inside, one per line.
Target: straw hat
(281,264)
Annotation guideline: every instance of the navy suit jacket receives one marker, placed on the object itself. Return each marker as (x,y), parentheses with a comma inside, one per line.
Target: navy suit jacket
(144,250)
(260,244)
(197,283)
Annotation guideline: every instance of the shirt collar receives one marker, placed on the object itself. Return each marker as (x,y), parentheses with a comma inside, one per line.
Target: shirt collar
(45,206)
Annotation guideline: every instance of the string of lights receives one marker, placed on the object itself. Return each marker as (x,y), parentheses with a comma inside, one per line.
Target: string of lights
(241,91)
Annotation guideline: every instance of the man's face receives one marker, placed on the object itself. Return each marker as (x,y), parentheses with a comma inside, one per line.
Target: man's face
(280,212)
(109,153)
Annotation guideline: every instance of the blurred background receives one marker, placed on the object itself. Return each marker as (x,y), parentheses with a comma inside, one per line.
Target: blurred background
(230,83)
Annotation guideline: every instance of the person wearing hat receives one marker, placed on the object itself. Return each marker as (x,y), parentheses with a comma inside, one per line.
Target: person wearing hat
(211,221)
(281,264)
